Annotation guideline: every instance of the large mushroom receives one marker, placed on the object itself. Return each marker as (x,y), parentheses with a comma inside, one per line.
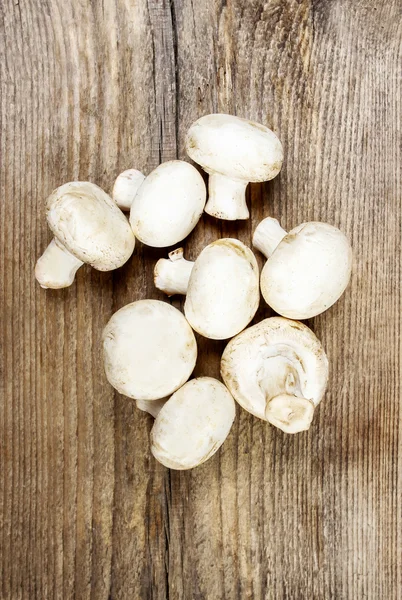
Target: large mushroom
(233,151)
(307,269)
(221,287)
(149,350)
(88,227)
(277,370)
(193,424)
(168,204)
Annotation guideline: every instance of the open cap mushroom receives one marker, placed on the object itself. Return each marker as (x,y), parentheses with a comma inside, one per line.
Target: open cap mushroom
(168,204)
(149,350)
(193,424)
(307,269)
(222,287)
(88,227)
(126,186)
(278,371)
(233,151)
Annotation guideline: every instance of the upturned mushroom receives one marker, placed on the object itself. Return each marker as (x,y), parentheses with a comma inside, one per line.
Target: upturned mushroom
(168,205)
(88,227)
(307,269)
(149,350)
(233,152)
(126,186)
(193,424)
(221,287)
(278,371)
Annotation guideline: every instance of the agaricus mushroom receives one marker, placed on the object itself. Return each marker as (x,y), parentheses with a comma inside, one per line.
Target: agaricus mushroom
(149,350)
(88,227)
(168,204)
(307,269)
(277,370)
(193,424)
(126,186)
(222,287)
(233,151)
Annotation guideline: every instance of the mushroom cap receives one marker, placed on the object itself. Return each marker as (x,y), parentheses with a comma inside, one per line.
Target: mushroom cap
(270,350)
(193,424)
(308,271)
(235,147)
(90,225)
(149,350)
(168,204)
(223,289)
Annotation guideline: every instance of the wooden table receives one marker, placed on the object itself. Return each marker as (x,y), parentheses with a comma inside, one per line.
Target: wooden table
(91,88)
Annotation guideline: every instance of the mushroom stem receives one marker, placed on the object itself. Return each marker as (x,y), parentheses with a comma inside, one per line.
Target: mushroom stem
(171,275)
(56,268)
(227,198)
(151,406)
(286,407)
(268,235)
(290,413)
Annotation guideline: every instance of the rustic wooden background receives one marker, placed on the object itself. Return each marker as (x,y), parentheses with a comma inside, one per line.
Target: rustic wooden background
(89,88)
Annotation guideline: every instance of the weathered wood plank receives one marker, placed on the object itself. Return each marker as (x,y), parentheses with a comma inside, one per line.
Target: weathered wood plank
(91,88)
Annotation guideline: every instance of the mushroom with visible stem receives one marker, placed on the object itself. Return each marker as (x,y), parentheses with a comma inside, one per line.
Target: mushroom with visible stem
(307,269)
(126,186)
(149,350)
(233,152)
(193,424)
(278,371)
(88,227)
(221,287)
(168,205)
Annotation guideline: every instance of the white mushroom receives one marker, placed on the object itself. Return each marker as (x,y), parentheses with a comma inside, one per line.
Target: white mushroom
(233,151)
(126,186)
(278,371)
(168,204)
(222,287)
(193,424)
(149,350)
(307,269)
(88,227)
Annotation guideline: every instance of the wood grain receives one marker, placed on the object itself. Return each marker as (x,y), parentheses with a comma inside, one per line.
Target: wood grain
(89,88)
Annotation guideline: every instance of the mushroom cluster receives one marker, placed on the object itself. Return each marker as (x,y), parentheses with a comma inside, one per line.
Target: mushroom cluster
(276,369)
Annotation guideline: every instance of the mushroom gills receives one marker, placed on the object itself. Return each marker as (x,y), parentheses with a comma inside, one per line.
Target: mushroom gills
(286,407)
(278,371)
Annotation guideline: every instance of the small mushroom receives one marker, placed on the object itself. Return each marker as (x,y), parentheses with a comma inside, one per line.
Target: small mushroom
(233,151)
(278,371)
(149,350)
(126,186)
(193,424)
(88,227)
(307,269)
(168,205)
(222,287)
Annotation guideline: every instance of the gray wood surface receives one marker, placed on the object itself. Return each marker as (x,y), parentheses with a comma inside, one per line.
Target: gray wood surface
(89,88)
